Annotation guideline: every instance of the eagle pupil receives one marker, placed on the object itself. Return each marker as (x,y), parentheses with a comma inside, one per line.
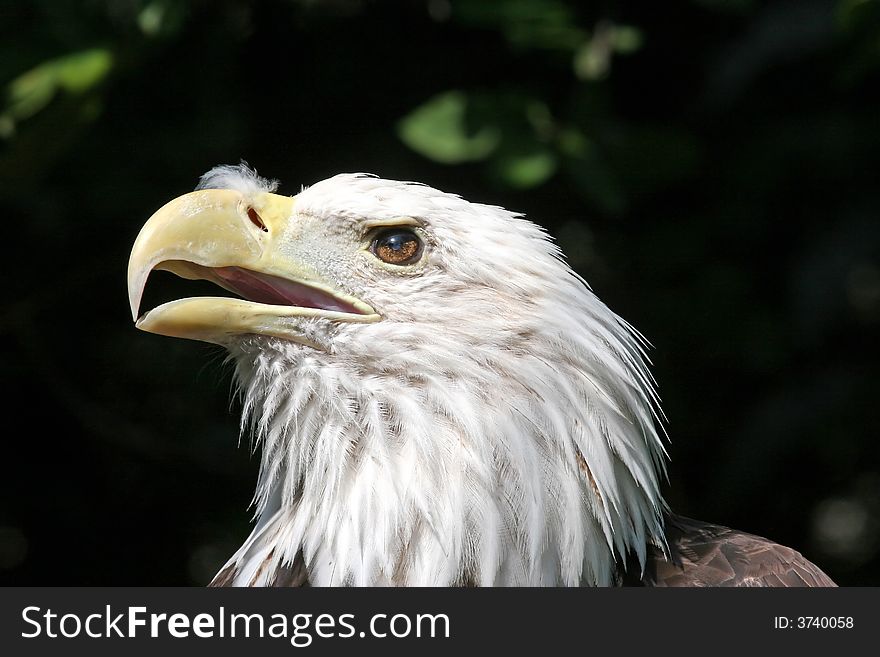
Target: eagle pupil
(396,242)
(397,247)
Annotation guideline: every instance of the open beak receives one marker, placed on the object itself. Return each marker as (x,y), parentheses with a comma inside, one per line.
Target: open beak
(219,235)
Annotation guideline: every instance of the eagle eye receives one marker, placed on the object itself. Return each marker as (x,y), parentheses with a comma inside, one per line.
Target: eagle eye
(397,246)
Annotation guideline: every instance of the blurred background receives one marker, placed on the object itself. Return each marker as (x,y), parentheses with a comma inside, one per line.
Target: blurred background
(711,169)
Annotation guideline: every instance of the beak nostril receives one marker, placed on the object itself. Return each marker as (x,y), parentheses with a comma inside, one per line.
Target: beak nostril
(256,220)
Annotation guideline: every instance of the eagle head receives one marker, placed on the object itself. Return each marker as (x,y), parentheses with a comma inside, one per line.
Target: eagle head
(438,398)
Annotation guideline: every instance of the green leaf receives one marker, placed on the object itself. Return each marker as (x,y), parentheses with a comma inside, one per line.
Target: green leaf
(33,90)
(439,131)
(592,60)
(526,170)
(162,18)
(626,39)
(80,71)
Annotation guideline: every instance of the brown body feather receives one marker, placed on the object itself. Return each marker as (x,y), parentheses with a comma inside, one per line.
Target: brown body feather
(703,554)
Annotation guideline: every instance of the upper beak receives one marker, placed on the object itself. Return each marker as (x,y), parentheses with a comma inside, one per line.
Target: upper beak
(224,237)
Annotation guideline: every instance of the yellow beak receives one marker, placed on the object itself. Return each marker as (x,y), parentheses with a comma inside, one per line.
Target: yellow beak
(221,236)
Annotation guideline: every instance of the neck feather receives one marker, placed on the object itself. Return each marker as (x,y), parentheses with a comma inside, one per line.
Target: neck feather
(520,461)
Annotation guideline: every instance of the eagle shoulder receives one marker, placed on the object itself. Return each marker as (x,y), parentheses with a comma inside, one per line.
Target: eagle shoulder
(703,554)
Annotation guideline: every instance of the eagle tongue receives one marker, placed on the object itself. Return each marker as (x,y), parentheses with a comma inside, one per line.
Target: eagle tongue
(276,291)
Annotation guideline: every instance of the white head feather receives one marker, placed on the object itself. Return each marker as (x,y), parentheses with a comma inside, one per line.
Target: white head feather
(497,427)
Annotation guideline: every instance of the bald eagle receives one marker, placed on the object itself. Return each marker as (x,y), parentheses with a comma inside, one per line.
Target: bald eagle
(439,399)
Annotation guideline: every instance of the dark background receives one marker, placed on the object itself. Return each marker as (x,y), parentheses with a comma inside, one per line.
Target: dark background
(711,169)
